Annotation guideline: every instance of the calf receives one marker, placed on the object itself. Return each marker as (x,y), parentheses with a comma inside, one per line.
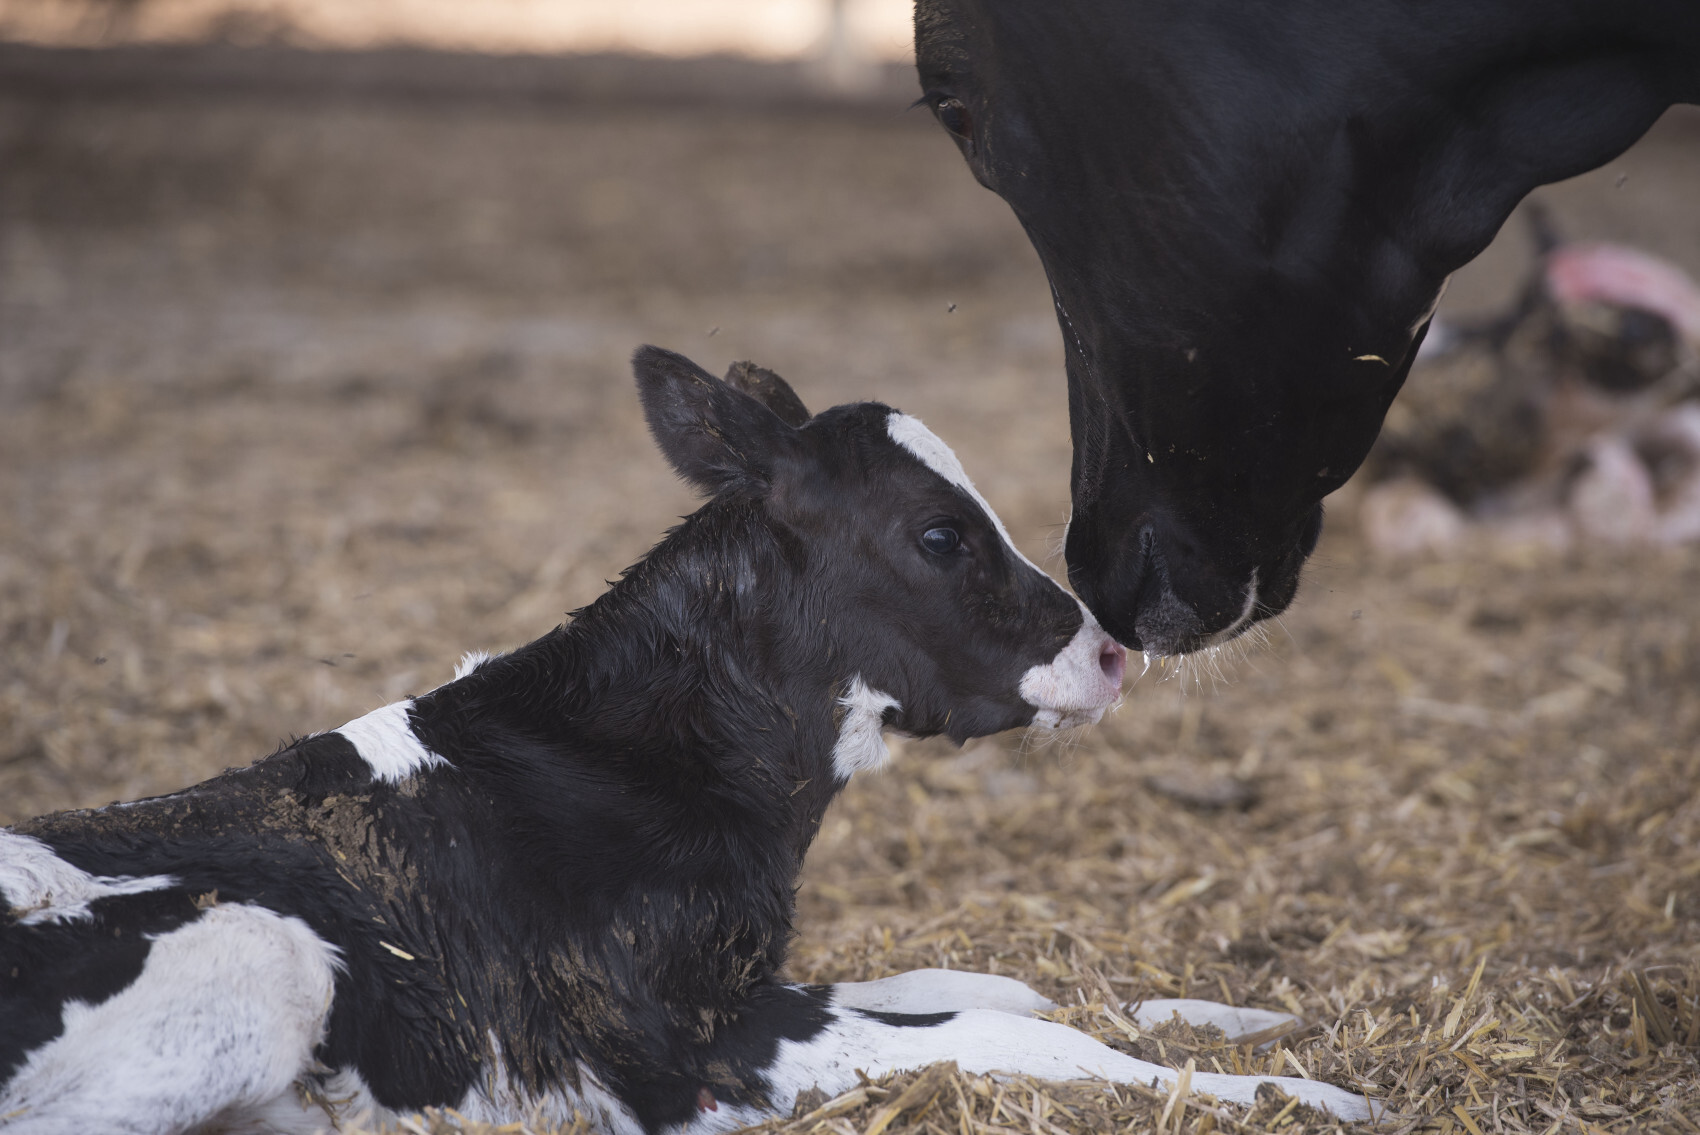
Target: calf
(564,881)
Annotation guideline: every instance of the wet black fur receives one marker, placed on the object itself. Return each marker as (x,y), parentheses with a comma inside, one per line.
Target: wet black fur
(602,875)
(1245,212)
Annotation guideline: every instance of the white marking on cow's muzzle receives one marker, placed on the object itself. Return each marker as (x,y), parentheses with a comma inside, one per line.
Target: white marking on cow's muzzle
(1080,683)
(861,736)
(1210,649)
(1248,611)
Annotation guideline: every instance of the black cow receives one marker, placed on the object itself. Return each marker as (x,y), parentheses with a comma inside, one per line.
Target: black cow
(564,881)
(1248,211)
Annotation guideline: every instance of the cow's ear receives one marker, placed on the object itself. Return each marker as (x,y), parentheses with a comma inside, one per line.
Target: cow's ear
(770,390)
(717,437)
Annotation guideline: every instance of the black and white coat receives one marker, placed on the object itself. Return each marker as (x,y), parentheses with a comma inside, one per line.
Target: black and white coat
(563,882)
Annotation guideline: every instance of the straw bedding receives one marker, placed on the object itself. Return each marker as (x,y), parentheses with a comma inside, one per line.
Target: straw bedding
(1448,814)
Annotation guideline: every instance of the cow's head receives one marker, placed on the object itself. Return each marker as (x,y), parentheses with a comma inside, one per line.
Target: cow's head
(899,585)
(1247,213)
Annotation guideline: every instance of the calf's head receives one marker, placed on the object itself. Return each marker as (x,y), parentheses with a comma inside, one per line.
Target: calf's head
(900,587)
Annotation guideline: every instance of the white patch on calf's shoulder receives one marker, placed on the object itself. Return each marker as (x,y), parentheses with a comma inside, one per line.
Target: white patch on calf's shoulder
(39,886)
(930,450)
(387,743)
(222,1020)
(471,661)
(861,737)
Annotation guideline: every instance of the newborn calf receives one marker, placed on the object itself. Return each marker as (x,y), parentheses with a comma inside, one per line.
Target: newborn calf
(564,881)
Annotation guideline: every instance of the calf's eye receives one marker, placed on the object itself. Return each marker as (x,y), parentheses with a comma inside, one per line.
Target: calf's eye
(940,541)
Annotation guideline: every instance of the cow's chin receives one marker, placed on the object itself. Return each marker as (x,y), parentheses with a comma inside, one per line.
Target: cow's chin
(1164,591)
(1149,610)
(1173,625)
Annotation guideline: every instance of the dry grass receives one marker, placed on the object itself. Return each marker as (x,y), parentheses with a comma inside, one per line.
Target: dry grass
(1448,815)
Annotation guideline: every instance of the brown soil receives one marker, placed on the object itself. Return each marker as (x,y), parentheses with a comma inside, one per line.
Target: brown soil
(301,397)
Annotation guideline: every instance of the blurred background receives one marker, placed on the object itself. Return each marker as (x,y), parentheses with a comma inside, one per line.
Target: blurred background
(757,29)
(314,320)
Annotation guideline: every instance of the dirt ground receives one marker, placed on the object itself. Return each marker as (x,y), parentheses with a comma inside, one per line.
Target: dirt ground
(300,398)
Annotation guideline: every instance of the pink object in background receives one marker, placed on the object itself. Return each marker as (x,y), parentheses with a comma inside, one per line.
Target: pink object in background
(1406,517)
(1598,272)
(1679,515)
(1612,500)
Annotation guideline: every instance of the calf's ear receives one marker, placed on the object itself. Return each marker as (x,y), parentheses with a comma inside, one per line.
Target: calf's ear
(715,436)
(770,390)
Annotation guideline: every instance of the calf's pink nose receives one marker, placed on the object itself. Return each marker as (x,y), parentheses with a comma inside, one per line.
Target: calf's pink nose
(1112,660)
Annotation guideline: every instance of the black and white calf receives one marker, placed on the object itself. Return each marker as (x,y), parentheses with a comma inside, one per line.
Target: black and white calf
(564,881)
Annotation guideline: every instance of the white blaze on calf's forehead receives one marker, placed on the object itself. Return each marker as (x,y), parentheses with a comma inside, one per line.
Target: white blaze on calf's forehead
(1071,688)
(386,742)
(930,450)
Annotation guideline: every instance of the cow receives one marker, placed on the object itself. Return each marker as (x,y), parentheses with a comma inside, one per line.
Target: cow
(1248,213)
(563,883)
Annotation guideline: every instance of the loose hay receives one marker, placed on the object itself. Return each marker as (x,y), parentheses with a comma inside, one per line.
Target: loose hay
(1462,845)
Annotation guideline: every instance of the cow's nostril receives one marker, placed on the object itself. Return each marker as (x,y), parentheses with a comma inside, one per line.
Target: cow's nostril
(1112,660)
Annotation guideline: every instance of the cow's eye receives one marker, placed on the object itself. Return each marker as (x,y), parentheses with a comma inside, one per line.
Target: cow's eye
(954,117)
(941,541)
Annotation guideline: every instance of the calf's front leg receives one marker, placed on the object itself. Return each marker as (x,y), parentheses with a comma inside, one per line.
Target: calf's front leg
(984,1024)
(937,990)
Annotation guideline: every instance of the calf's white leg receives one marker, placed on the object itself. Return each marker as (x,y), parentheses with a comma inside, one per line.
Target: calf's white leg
(944,990)
(991,1028)
(940,991)
(1232,1020)
(985,1041)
